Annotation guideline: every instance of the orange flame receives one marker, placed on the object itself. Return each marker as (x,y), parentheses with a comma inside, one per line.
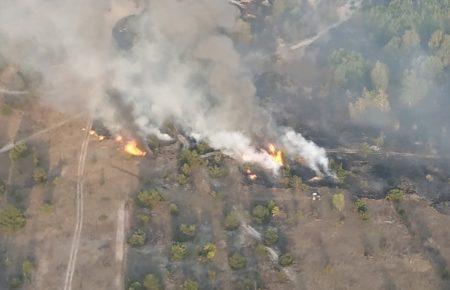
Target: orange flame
(132,148)
(277,155)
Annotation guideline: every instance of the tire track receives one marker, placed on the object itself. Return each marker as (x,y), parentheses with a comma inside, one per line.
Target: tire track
(80,209)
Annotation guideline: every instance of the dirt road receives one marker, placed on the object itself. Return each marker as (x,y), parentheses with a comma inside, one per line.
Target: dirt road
(80,208)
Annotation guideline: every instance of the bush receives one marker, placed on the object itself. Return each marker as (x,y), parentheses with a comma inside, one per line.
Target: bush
(182,179)
(2,187)
(190,285)
(137,239)
(149,198)
(27,269)
(12,219)
(338,201)
(232,221)
(143,218)
(178,252)
(208,252)
(338,169)
(190,157)
(395,195)
(286,260)
(270,236)
(260,214)
(362,209)
(39,175)
(237,261)
(19,151)
(152,282)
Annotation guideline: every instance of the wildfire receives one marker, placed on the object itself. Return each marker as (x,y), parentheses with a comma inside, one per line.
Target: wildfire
(94,133)
(277,155)
(251,175)
(132,148)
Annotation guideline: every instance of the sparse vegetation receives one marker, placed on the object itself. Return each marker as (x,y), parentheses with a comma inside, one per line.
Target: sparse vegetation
(395,195)
(11,219)
(338,201)
(237,261)
(137,238)
(178,252)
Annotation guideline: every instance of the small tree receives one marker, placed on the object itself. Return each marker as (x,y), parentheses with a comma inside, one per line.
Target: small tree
(178,252)
(208,252)
(270,236)
(338,201)
(12,219)
(237,261)
(395,195)
(286,260)
(190,285)
(362,209)
(232,221)
(149,198)
(152,282)
(261,214)
(137,239)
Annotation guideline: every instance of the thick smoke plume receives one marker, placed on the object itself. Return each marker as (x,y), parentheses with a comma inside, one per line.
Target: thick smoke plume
(168,60)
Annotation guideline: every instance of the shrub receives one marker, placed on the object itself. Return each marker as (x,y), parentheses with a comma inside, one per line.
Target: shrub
(237,261)
(286,260)
(143,218)
(395,195)
(208,252)
(20,150)
(152,282)
(338,201)
(178,252)
(27,269)
(190,157)
(188,231)
(39,175)
(12,219)
(182,179)
(190,285)
(102,217)
(232,221)
(15,283)
(296,182)
(270,236)
(338,169)
(149,198)
(362,209)
(2,187)
(260,214)
(137,239)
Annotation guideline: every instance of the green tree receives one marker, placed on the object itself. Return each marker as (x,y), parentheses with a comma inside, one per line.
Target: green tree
(149,198)
(237,261)
(136,285)
(362,209)
(348,68)
(178,252)
(270,236)
(380,76)
(11,219)
(208,252)
(190,285)
(395,195)
(261,214)
(137,238)
(152,282)
(232,221)
(414,88)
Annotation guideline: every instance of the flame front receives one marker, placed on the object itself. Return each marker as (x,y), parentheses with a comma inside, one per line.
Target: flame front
(277,155)
(132,148)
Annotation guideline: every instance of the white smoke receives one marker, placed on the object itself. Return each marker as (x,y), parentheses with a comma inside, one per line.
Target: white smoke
(182,67)
(314,156)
